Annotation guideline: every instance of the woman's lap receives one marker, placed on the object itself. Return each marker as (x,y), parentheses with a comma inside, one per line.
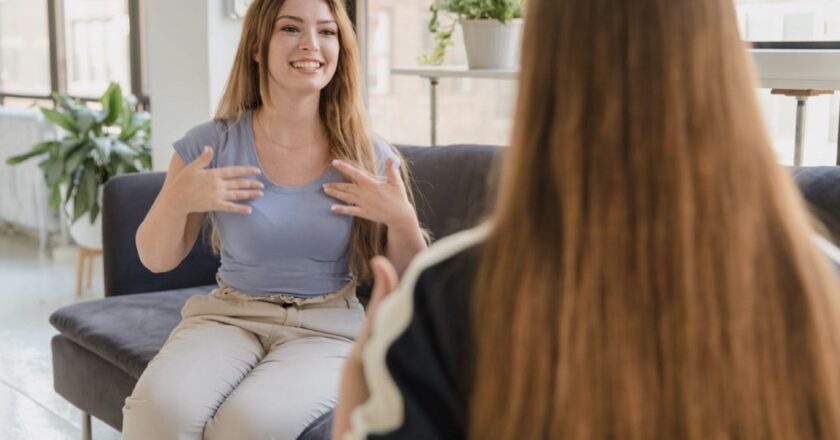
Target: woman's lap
(262,376)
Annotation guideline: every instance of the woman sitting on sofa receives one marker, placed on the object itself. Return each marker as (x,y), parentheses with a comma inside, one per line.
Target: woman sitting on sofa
(260,356)
(649,270)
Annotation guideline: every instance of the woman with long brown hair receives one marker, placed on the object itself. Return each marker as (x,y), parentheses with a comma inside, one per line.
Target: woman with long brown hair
(648,270)
(299,197)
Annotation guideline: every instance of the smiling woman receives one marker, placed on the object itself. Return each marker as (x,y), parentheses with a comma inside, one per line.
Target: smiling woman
(293,185)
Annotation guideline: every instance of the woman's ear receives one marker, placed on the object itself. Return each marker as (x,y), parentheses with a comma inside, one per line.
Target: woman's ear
(255,56)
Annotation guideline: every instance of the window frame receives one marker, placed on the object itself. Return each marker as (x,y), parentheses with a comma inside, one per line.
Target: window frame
(58,55)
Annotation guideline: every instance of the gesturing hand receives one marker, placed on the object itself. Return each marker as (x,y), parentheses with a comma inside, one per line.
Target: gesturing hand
(385,281)
(371,198)
(199,189)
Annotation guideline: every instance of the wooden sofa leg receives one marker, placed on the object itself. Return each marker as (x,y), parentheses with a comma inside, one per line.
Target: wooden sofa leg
(86,432)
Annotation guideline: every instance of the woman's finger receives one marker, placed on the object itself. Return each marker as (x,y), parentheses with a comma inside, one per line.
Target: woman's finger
(352,173)
(243,194)
(344,196)
(392,172)
(355,211)
(235,208)
(341,186)
(244,184)
(385,281)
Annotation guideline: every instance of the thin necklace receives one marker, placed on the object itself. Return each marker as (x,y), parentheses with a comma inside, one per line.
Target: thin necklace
(268,137)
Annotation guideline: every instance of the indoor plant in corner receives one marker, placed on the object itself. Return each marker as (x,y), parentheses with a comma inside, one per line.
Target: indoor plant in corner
(492,31)
(96,145)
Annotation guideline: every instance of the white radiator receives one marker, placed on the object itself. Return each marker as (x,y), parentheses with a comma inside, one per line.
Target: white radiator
(23,193)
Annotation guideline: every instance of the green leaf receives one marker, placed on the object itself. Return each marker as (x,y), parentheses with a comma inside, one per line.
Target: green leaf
(61,119)
(112,103)
(94,211)
(68,146)
(85,120)
(37,150)
(54,171)
(75,159)
(85,192)
(146,161)
(130,131)
(65,101)
(55,197)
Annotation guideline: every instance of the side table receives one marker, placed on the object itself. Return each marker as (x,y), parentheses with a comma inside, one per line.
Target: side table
(801,96)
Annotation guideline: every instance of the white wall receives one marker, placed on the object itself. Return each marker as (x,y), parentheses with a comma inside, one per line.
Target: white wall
(190,46)
(798,69)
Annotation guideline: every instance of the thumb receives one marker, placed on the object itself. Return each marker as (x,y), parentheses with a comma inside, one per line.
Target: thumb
(204,158)
(385,280)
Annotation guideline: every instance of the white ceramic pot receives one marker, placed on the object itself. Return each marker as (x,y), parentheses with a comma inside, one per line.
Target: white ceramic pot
(82,232)
(491,44)
(85,234)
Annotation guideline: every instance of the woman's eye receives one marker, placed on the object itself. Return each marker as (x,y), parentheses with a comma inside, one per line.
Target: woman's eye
(289,29)
(329,32)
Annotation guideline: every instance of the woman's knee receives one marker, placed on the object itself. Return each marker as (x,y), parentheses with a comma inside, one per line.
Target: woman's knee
(250,418)
(157,411)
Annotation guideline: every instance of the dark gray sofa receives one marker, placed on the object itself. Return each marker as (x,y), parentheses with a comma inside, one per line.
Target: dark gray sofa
(104,345)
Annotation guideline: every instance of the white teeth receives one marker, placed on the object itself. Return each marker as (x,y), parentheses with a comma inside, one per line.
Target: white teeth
(306,65)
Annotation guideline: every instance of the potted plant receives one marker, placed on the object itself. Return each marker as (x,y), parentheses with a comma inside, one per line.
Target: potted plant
(96,145)
(492,31)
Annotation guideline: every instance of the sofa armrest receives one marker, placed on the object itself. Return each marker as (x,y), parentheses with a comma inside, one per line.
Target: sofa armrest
(125,201)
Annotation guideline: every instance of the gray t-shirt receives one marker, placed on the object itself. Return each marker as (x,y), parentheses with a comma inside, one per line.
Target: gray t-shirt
(291,242)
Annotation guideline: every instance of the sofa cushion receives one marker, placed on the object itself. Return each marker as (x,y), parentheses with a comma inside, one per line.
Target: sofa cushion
(125,330)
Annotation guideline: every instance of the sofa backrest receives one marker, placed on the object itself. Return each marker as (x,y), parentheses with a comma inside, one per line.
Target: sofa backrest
(450,188)
(821,188)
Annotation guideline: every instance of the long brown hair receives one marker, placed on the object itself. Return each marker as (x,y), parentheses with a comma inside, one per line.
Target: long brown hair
(651,272)
(341,110)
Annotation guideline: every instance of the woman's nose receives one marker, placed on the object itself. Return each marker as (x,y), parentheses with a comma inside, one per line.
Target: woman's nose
(308,42)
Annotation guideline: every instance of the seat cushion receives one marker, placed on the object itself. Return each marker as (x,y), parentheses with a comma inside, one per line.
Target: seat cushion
(125,330)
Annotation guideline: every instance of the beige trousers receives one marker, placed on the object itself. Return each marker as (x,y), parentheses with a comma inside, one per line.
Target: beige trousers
(243,367)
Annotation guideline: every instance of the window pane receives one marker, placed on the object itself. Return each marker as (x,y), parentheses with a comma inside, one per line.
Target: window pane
(789,20)
(96,38)
(24,47)
(469,110)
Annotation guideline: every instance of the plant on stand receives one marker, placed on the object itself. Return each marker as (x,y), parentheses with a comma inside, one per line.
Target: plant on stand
(97,144)
(502,16)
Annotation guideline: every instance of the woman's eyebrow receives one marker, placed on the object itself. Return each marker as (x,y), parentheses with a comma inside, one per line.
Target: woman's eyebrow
(300,20)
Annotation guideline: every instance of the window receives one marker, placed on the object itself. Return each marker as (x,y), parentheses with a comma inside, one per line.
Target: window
(96,45)
(24,48)
(75,47)
(791,25)
(789,20)
(469,110)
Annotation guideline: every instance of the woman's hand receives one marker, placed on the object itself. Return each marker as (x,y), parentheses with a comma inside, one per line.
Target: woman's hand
(371,198)
(198,189)
(385,281)
(353,390)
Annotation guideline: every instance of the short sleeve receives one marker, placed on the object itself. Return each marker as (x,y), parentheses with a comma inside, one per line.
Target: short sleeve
(192,144)
(384,151)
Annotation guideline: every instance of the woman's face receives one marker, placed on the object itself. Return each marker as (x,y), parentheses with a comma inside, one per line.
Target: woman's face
(303,51)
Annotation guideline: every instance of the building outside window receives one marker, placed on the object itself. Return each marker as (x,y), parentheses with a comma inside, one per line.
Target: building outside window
(469,110)
(96,41)
(24,47)
(94,46)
